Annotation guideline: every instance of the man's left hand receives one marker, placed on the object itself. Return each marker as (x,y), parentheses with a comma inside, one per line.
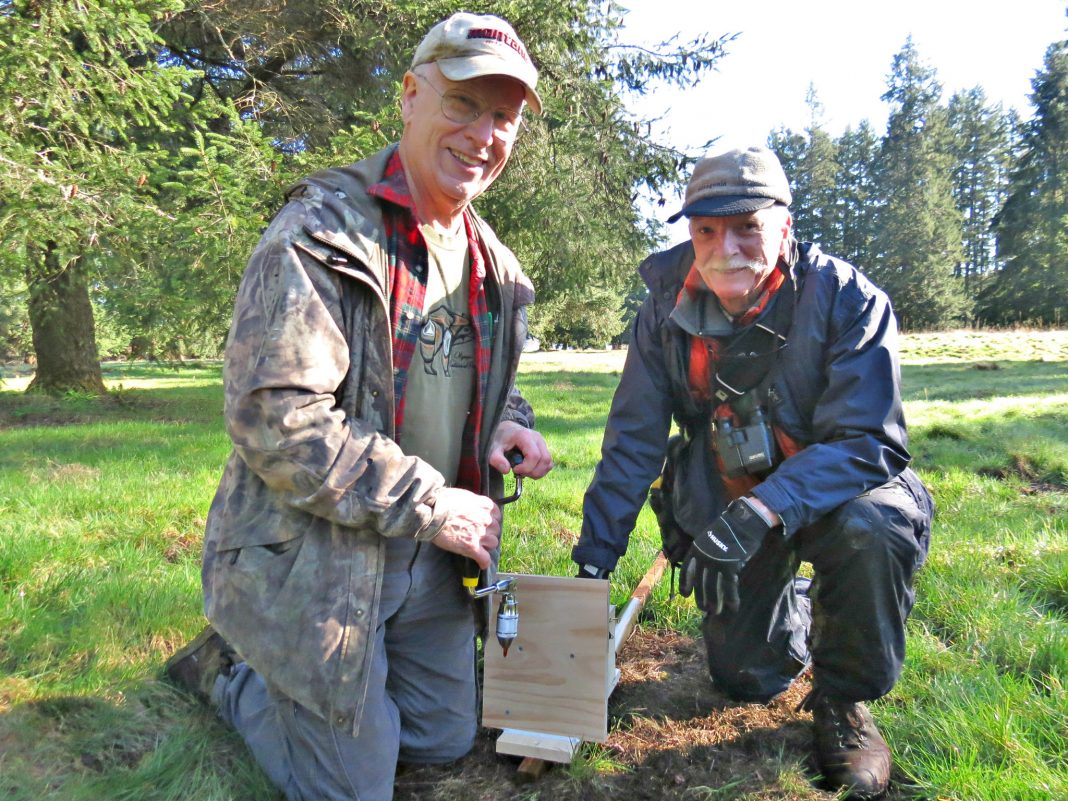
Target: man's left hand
(536,459)
(718,556)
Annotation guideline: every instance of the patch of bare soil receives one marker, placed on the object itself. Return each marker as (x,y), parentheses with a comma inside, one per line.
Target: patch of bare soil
(672,736)
(1023,469)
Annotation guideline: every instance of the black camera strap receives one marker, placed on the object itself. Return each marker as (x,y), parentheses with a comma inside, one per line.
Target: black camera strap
(751,352)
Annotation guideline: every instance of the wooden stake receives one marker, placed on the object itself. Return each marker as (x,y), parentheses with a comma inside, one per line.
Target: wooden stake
(627,620)
(530,770)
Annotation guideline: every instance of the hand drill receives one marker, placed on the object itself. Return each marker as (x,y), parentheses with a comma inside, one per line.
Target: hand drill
(471,570)
(508,609)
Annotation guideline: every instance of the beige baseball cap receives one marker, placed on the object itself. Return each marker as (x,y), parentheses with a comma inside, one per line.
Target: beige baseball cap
(467,46)
(735,182)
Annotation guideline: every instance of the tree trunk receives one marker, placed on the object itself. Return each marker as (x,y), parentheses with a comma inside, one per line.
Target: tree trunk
(64,335)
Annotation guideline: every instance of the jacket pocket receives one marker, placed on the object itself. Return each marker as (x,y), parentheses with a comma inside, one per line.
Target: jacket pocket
(253,517)
(698,495)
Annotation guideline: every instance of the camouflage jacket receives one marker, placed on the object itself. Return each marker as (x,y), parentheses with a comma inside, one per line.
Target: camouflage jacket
(294,547)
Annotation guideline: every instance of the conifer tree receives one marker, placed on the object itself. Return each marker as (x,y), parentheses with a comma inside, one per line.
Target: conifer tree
(322,79)
(811,163)
(820,166)
(918,238)
(145,143)
(791,148)
(981,148)
(859,202)
(90,129)
(1032,226)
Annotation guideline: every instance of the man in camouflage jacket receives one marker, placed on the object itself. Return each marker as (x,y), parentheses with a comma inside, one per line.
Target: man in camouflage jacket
(341,639)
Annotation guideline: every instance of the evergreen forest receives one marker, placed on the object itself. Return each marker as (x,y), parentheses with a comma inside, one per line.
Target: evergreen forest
(145,144)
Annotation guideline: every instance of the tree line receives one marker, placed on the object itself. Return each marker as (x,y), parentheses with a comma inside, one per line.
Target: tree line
(144,146)
(959,211)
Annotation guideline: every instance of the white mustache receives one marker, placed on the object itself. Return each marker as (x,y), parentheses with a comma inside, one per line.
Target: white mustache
(753,265)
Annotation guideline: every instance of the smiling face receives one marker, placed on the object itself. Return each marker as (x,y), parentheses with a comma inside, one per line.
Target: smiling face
(736,254)
(449,164)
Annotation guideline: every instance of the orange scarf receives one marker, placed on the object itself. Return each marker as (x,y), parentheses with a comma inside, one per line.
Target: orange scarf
(704,356)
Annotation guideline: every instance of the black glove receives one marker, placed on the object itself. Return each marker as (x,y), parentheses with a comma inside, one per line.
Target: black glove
(718,555)
(593,572)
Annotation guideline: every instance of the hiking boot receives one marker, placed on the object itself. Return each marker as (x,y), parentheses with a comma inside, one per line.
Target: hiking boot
(850,752)
(195,667)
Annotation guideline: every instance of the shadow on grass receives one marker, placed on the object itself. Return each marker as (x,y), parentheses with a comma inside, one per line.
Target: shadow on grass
(954,382)
(567,399)
(1023,450)
(152,743)
(194,404)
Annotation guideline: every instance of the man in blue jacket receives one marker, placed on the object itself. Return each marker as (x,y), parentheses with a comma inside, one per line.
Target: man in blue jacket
(779,364)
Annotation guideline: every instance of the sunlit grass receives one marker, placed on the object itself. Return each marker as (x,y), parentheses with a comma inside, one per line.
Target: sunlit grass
(102,508)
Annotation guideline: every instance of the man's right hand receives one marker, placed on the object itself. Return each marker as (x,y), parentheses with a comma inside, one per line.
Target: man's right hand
(472,524)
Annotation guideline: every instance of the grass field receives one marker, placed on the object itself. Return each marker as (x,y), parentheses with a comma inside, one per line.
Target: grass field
(102,506)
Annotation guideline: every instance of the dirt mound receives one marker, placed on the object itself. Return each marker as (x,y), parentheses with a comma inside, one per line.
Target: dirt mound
(672,736)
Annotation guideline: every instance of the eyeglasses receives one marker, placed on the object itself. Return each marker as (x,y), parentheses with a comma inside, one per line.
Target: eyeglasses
(462,108)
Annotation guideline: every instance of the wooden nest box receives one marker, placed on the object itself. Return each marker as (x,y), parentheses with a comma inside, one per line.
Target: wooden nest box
(551,692)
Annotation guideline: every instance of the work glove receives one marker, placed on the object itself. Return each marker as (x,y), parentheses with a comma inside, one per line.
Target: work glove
(718,555)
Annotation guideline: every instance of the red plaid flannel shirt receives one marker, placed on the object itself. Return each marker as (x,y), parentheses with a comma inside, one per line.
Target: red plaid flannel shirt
(408,267)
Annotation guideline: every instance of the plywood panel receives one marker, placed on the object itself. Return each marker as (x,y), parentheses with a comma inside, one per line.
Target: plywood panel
(553,679)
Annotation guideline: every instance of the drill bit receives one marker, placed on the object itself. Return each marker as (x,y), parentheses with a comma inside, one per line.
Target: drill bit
(507,620)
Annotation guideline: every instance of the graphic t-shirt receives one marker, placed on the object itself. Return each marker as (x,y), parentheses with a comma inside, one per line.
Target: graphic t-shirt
(442,377)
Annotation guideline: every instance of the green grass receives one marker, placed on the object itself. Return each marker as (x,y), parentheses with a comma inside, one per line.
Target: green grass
(102,506)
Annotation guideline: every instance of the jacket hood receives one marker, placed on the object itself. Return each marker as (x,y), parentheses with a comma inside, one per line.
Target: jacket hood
(340,213)
(343,182)
(665,272)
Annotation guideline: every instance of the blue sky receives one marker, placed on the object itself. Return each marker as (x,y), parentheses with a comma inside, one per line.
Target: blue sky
(842,47)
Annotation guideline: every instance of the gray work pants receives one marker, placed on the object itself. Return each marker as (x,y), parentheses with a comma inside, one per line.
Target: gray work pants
(421,696)
(864,556)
